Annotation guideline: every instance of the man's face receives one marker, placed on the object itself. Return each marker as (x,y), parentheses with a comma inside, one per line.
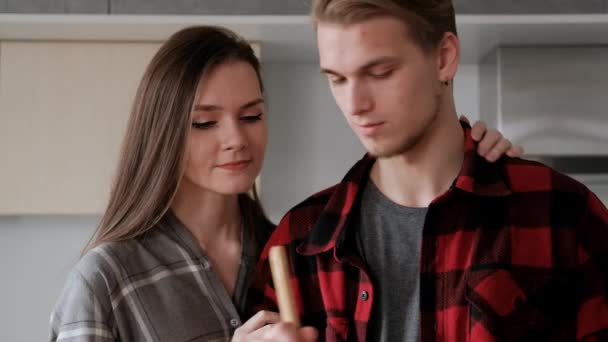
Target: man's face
(386,85)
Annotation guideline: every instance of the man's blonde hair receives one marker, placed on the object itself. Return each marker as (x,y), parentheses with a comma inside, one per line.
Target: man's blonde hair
(427,20)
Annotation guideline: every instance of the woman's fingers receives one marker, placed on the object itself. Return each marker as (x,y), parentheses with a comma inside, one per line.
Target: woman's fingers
(478,130)
(256,324)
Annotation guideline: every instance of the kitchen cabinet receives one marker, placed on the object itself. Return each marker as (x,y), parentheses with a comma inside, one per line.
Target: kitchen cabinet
(64,106)
(281,7)
(290,38)
(288,44)
(550,99)
(63,110)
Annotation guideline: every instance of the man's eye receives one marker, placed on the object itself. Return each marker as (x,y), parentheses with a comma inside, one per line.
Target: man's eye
(203,125)
(381,75)
(336,80)
(251,118)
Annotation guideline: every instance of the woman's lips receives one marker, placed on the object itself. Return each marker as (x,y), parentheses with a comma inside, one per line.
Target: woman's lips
(236,165)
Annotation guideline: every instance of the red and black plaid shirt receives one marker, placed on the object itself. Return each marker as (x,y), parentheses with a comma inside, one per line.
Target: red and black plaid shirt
(512,251)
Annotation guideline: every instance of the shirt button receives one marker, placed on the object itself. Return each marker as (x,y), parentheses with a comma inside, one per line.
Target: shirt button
(205,264)
(364,295)
(235,322)
(517,302)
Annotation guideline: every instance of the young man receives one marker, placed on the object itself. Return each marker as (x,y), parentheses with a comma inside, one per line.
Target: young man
(423,239)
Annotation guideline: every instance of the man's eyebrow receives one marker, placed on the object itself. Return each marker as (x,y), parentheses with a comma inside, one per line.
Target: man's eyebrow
(366,66)
(329,72)
(378,61)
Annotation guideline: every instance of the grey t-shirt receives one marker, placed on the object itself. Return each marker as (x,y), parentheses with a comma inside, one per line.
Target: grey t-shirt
(390,239)
(158,287)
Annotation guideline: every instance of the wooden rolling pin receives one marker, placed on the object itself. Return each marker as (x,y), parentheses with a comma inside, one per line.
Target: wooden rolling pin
(279,266)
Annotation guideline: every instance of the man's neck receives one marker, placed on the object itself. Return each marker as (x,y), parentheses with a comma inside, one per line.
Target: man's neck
(415,178)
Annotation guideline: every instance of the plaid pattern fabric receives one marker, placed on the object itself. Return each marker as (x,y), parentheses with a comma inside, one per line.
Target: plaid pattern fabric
(513,251)
(157,287)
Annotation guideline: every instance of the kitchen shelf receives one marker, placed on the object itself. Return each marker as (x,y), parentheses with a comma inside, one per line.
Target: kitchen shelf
(290,38)
(481,34)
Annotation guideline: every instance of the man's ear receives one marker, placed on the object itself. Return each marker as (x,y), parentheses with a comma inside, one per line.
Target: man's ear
(448,57)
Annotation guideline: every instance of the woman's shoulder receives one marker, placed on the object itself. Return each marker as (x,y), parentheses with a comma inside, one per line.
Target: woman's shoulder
(86,297)
(87,289)
(102,266)
(113,263)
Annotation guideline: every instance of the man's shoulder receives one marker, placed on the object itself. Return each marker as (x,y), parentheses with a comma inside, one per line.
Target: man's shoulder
(529,176)
(300,219)
(318,199)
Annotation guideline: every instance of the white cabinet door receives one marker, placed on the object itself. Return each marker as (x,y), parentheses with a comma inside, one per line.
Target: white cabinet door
(63,111)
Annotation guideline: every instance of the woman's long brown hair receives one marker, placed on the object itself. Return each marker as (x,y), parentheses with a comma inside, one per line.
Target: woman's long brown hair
(151,162)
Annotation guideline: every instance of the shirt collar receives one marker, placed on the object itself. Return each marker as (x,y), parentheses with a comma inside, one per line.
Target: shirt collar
(477,176)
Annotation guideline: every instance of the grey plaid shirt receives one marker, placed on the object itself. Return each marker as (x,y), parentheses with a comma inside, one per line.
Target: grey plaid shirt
(159,287)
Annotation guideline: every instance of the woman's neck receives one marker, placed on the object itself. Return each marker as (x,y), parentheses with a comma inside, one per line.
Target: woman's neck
(209,216)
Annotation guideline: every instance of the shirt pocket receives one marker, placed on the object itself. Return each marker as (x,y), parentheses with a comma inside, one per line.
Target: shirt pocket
(337,329)
(508,305)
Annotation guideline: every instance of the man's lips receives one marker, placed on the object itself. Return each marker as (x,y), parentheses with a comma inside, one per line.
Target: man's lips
(369,129)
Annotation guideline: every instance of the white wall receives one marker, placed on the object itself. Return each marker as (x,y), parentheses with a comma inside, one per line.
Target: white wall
(310,145)
(36,252)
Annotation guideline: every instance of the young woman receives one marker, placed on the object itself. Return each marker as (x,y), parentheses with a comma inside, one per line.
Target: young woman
(173,253)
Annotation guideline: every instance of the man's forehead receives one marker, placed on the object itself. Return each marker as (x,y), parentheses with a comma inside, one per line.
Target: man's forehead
(372,28)
(354,46)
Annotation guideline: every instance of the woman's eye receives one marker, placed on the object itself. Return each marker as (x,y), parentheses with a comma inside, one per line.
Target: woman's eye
(251,118)
(203,125)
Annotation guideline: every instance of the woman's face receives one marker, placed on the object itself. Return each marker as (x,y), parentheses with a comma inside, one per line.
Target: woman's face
(229,132)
